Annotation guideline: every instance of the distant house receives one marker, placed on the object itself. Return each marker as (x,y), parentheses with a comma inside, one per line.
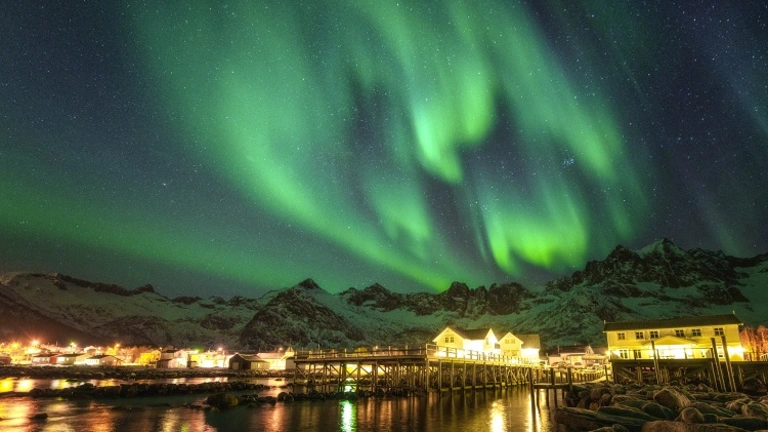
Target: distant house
(570,355)
(247,362)
(44,359)
(279,360)
(208,359)
(102,360)
(674,338)
(173,358)
(481,340)
(149,357)
(71,359)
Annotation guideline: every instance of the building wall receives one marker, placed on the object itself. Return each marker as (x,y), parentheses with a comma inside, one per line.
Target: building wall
(636,342)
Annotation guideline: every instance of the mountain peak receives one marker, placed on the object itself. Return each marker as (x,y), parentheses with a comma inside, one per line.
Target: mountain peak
(308,284)
(663,246)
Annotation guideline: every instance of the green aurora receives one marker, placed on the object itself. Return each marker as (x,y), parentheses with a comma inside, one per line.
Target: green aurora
(277,105)
(344,140)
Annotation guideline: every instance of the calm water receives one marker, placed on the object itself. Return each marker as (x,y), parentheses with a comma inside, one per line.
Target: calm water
(501,410)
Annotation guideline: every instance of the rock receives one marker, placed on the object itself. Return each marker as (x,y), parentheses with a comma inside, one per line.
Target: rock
(670,426)
(658,411)
(690,415)
(706,408)
(581,419)
(671,398)
(634,403)
(755,410)
(754,386)
(750,424)
(736,405)
(222,400)
(625,411)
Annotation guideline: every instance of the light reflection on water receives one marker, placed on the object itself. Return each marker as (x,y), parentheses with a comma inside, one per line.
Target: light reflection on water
(493,411)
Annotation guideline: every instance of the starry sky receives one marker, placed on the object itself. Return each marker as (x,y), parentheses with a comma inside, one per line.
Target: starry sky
(222,148)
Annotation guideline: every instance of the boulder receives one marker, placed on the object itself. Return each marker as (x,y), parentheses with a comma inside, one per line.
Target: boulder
(625,411)
(706,408)
(581,419)
(659,411)
(671,398)
(690,415)
(755,410)
(671,426)
(750,424)
(222,400)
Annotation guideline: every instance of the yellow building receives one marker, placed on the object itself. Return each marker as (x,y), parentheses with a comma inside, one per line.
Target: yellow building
(674,338)
(481,340)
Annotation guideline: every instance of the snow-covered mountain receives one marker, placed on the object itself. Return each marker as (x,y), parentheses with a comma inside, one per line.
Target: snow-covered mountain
(658,281)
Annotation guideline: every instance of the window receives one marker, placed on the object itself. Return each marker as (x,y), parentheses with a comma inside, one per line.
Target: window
(654,334)
(696,332)
(621,336)
(639,335)
(719,331)
(680,333)
(624,354)
(637,353)
(449,339)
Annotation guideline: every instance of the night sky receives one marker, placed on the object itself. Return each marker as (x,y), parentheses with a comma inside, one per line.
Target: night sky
(234,147)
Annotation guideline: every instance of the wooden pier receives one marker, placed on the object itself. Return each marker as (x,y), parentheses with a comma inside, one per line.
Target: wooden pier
(428,368)
(721,374)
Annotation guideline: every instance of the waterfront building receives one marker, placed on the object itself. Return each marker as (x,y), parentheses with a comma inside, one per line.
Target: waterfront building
(247,362)
(481,340)
(280,359)
(675,338)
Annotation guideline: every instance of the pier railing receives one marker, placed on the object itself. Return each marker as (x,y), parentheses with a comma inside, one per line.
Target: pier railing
(425,351)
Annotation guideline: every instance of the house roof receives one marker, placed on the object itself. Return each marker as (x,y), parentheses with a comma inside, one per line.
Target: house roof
(275,355)
(101,356)
(249,357)
(691,321)
(531,340)
(472,334)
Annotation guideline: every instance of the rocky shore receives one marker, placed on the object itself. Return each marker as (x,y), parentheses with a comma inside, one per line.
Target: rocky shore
(671,408)
(127,372)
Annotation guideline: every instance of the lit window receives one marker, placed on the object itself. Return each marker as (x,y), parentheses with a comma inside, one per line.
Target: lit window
(680,333)
(654,334)
(621,336)
(639,335)
(696,332)
(719,331)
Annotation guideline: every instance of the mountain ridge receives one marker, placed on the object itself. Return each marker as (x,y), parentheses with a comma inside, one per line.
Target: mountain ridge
(660,280)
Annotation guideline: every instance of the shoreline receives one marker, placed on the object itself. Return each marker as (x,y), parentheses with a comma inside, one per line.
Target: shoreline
(128,373)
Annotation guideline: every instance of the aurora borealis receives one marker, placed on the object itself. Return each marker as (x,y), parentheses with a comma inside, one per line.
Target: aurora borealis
(242,146)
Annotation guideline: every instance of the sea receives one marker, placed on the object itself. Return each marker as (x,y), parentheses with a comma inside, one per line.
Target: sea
(500,410)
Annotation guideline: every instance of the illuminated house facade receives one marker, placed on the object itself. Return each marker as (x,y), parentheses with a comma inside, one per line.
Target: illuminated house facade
(674,338)
(480,340)
(280,359)
(530,351)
